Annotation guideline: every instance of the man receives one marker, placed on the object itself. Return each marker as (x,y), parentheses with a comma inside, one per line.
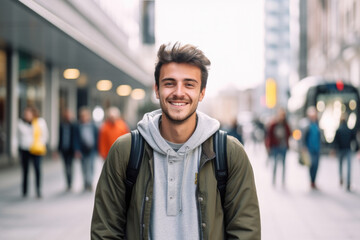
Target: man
(277,141)
(86,141)
(175,195)
(344,137)
(66,145)
(313,144)
(111,129)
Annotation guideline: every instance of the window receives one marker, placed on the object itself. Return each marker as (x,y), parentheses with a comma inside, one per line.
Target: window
(31,82)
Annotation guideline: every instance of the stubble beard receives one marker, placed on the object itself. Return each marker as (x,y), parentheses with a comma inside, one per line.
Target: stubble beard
(177,121)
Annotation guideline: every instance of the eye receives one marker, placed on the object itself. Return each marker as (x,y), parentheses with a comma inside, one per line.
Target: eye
(190,84)
(168,84)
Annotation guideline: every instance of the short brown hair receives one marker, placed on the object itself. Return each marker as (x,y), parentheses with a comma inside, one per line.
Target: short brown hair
(182,54)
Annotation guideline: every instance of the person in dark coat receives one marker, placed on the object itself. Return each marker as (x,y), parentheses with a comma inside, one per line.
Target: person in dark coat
(66,145)
(236,131)
(343,139)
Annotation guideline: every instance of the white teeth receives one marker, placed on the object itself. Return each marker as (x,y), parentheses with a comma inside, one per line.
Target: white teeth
(178,104)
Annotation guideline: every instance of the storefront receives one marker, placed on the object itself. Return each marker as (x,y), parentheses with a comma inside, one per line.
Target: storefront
(37,45)
(31,86)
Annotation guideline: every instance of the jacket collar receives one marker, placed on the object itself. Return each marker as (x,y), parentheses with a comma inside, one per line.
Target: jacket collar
(207,151)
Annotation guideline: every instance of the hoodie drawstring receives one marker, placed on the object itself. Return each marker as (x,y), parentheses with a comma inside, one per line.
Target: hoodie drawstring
(186,160)
(167,155)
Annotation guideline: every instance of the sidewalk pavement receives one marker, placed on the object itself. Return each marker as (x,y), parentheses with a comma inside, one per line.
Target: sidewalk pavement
(57,215)
(295,212)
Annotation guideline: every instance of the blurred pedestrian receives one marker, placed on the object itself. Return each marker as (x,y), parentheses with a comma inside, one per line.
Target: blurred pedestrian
(86,141)
(259,132)
(277,141)
(113,127)
(312,143)
(32,135)
(236,131)
(66,145)
(344,137)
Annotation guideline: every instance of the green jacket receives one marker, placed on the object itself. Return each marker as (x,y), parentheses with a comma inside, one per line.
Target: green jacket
(240,217)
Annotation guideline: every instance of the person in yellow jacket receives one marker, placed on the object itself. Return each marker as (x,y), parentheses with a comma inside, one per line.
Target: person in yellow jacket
(32,138)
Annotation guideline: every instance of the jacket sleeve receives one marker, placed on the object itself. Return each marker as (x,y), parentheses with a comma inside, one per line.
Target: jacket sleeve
(109,214)
(241,207)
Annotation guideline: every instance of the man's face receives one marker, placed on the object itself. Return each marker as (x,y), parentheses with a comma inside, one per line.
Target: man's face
(179,91)
(85,116)
(281,115)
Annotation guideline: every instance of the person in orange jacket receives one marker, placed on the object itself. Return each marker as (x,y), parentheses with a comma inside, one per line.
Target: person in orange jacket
(111,129)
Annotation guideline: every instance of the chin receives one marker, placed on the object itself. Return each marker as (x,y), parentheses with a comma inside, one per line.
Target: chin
(177,118)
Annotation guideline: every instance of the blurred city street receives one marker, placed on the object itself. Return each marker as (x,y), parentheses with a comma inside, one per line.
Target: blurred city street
(288,212)
(295,211)
(57,215)
(65,65)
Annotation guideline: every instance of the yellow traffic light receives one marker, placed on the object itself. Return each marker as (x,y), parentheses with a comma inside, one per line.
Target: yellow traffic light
(270,92)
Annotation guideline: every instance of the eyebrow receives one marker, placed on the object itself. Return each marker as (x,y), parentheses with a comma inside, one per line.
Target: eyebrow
(173,79)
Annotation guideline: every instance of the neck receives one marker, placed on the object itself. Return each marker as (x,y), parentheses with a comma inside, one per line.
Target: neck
(177,132)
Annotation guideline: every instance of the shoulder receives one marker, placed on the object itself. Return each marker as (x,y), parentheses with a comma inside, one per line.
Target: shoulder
(271,125)
(122,144)
(119,153)
(236,155)
(41,121)
(22,126)
(20,122)
(234,146)
(104,125)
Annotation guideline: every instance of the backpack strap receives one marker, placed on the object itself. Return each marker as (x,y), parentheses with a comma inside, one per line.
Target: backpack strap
(221,168)
(136,155)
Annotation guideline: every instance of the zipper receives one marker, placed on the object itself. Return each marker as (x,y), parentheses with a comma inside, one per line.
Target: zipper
(197,199)
(199,210)
(143,202)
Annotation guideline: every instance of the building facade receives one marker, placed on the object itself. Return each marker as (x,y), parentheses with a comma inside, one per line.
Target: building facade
(334,39)
(56,55)
(277,52)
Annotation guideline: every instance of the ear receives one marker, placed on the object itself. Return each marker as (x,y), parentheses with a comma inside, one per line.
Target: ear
(202,94)
(156,88)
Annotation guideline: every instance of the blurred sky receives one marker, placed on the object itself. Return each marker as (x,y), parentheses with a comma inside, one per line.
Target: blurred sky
(230,32)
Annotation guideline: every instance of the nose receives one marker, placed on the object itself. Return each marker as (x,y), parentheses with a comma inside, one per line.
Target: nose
(179,91)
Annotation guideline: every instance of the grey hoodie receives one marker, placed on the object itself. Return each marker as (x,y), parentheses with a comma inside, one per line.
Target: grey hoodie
(174,211)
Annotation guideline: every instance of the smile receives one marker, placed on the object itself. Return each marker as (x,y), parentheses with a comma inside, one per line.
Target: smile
(178,104)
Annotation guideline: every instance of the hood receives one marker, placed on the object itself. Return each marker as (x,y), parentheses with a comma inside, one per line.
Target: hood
(149,129)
